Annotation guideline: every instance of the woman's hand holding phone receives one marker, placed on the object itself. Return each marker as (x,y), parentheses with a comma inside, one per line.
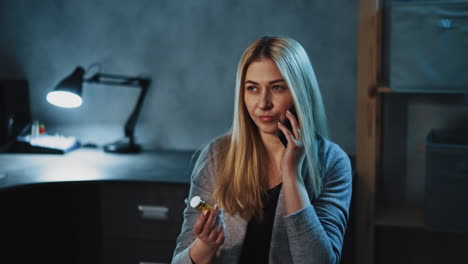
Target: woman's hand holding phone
(209,229)
(294,149)
(295,192)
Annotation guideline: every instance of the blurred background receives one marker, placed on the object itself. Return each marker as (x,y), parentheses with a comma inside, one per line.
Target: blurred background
(190,49)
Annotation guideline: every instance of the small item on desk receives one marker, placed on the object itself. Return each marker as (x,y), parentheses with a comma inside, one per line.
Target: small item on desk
(49,144)
(37,141)
(42,129)
(35,129)
(200,205)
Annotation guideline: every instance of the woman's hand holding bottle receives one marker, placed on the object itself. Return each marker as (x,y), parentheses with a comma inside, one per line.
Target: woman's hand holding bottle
(209,229)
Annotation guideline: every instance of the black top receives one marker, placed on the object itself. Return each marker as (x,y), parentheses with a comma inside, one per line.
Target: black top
(256,245)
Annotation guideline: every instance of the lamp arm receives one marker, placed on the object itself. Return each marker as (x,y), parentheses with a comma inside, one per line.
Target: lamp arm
(131,122)
(143,83)
(113,79)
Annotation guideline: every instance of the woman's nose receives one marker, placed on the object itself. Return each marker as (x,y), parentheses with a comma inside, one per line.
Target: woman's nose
(265,101)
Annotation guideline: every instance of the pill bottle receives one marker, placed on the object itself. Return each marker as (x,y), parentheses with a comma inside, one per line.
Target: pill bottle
(197,203)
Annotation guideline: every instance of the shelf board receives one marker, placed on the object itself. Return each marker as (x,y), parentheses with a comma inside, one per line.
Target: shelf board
(400,217)
(383,89)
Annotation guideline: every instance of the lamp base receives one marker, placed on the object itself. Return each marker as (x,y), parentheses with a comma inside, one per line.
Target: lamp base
(122,146)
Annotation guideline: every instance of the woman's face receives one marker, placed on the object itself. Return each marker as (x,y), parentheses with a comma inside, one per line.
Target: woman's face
(266,95)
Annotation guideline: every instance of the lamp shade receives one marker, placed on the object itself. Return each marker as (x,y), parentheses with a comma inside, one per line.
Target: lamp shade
(68,91)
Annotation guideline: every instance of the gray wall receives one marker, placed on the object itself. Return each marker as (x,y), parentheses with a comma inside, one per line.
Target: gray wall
(190,48)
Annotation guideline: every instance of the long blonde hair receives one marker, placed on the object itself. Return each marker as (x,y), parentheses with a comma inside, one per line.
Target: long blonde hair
(242,178)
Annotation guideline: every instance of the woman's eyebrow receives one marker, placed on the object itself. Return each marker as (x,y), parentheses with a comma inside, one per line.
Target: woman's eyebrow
(277,81)
(272,82)
(252,82)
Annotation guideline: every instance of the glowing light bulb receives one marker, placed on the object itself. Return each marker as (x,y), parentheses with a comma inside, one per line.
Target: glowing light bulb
(64,99)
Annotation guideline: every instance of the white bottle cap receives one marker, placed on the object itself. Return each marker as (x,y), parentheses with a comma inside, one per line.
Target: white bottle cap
(195,201)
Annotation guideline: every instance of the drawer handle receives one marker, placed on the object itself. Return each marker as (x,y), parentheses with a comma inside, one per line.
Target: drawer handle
(153,212)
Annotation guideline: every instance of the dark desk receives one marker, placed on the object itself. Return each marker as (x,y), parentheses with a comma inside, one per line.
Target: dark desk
(91,207)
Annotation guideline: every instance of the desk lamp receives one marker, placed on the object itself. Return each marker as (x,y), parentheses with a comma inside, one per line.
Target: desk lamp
(68,94)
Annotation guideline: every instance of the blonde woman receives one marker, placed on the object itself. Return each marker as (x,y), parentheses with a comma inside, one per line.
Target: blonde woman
(272,203)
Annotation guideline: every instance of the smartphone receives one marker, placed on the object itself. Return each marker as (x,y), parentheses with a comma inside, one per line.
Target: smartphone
(287,124)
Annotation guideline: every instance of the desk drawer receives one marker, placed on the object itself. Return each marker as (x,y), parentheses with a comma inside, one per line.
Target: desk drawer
(122,251)
(143,210)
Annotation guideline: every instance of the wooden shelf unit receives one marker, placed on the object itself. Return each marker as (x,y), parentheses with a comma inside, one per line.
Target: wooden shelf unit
(368,129)
(374,221)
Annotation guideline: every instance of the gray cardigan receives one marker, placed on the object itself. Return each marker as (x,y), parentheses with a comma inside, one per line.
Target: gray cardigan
(313,234)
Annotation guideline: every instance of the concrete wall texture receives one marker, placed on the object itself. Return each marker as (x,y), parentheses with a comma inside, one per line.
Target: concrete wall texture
(190,48)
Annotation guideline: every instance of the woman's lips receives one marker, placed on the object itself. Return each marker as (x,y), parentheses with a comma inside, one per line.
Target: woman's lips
(267,118)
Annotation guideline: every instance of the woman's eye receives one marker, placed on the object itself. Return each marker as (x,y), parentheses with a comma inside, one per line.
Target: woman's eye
(251,88)
(278,87)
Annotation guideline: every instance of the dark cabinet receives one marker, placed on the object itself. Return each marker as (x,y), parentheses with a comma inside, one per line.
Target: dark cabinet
(137,251)
(92,223)
(91,207)
(141,221)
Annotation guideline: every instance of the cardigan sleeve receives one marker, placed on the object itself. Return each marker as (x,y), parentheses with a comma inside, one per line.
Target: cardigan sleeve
(201,185)
(316,232)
